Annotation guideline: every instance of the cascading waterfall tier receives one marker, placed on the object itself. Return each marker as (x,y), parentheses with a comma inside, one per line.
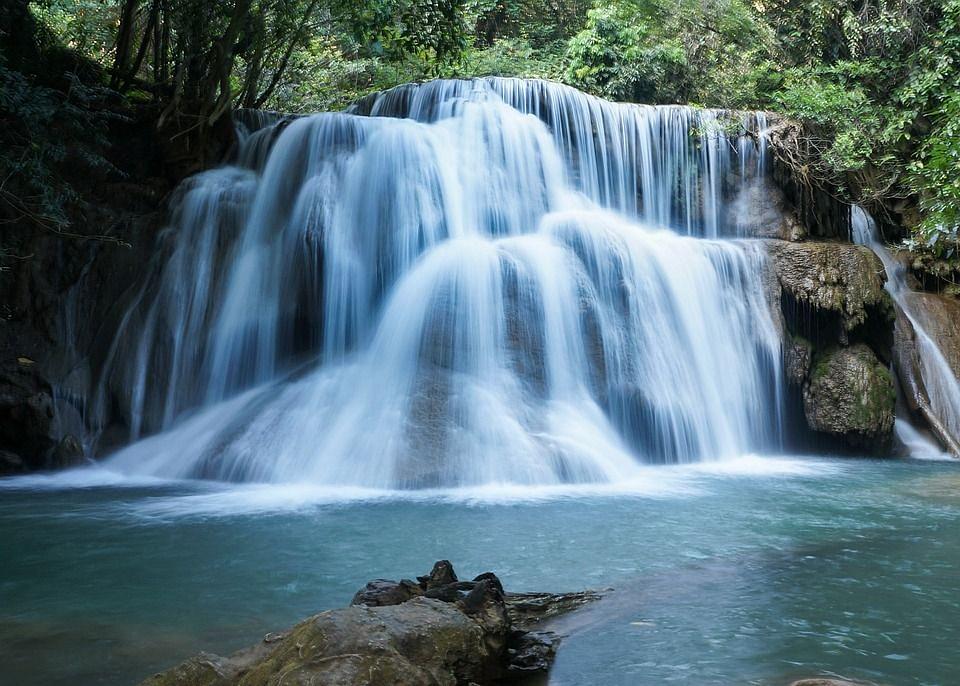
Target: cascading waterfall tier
(941,386)
(456,283)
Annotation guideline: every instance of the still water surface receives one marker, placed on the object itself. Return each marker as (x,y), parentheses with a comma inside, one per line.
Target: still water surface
(752,571)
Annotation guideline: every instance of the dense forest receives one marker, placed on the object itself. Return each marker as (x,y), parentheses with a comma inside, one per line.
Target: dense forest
(874,82)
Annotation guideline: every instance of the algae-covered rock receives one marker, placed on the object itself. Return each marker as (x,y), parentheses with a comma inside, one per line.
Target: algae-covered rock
(843,279)
(851,396)
(204,669)
(837,324)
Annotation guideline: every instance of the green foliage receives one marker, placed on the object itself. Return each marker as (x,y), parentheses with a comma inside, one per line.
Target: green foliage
(875,83)
(842,119)
(431,30)
(345,78)
(86,26)
(663,51)
(936,177)
(615,57)
(52,128)
(514,57)
(877,86)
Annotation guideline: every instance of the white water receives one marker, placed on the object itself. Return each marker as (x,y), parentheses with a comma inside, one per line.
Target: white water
(475,285)
(942,386)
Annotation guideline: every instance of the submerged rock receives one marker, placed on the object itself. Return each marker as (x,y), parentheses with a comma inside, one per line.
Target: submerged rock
(469,633)
(851,395)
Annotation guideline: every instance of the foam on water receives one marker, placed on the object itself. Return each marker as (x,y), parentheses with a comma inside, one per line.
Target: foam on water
(164,500)
(91,476)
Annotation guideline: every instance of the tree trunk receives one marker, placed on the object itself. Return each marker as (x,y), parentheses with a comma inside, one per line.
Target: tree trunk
(128,16)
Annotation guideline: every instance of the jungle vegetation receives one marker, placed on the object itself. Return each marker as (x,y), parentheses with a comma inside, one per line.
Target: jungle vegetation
(876,83)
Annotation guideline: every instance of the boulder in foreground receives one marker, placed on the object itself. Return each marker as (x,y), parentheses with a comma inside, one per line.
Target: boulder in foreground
(438,630)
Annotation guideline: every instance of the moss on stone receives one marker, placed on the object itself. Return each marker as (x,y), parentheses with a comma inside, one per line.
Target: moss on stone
(851,395)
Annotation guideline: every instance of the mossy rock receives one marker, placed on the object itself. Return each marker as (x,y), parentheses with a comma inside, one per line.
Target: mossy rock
(838,278)
(204,669)
(851,396)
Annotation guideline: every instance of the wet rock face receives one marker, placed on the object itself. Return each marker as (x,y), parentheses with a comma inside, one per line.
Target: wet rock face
(26,417)
(62,298)
(851,395)
(438,630)
(28,437)
(832,278)
(797,358)
(761,210)
(940,319)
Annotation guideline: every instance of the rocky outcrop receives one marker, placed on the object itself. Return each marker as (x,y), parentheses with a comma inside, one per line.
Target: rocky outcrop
(833,280)
(933,274)
(850,395)
(438,630)
(838,333)
(29,438)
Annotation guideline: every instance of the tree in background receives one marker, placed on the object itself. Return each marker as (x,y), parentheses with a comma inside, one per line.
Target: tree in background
(54,119)
(876,84)
(874,81)
(670,51)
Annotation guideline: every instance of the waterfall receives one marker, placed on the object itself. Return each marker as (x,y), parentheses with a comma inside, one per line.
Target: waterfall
(942,386)
(456,283)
